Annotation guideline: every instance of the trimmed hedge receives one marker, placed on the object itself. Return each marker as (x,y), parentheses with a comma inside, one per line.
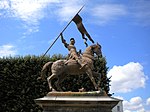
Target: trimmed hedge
(19,85)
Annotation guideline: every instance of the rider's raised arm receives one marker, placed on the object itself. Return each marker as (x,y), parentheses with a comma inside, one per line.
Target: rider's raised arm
(64,41)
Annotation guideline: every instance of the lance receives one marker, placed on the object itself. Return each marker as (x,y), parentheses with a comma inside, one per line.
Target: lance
(61,32)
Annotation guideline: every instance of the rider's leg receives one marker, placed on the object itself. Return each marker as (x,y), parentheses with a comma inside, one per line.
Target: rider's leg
(83,64)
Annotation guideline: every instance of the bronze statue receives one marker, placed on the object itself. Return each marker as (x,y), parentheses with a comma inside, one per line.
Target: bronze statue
(73,54)
(60,69)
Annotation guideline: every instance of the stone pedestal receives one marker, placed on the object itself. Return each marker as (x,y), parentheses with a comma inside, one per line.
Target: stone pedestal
(74,102)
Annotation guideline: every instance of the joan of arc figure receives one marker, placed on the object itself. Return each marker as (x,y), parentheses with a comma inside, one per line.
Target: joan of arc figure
(72,50)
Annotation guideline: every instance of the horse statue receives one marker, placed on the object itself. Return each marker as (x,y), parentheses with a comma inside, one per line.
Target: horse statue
(61,68)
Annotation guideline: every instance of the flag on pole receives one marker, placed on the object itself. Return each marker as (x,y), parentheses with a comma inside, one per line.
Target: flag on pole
(61,33)
(78,21)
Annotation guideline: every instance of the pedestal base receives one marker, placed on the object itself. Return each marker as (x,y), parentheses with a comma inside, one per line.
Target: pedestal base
(76,103)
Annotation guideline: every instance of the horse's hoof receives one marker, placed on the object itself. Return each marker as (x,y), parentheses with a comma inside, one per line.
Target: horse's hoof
(53,90)
(39,78)
(99,89)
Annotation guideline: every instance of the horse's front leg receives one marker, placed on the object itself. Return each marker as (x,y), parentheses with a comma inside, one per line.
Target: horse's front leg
(49,80)
(98,75)
(89,73)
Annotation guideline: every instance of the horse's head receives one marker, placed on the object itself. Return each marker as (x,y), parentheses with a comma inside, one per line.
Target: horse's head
(97,49)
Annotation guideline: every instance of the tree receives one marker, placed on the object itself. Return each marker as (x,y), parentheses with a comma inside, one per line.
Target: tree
(100,67)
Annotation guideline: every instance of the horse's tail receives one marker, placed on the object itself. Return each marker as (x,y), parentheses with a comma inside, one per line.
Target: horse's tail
(46,70)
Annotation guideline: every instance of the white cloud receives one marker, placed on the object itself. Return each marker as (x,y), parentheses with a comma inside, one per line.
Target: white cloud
(148,101)
(7,50)
(4,4)
(127,77)
(108,12)
(32,11)
(136,11)
(29,11)
(135,104)
(68,8)
(140,12)
(127,111)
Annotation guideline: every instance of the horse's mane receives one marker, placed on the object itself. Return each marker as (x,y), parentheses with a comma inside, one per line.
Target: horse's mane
(90,47)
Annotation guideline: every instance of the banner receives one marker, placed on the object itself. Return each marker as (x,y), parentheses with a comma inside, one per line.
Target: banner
(78,21)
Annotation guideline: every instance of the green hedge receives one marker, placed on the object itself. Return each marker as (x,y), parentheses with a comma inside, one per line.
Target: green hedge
(19,85)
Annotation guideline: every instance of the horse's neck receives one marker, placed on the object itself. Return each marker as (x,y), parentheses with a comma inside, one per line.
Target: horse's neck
(88,54)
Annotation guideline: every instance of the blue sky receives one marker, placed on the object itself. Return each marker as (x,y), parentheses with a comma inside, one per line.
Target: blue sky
(121,27)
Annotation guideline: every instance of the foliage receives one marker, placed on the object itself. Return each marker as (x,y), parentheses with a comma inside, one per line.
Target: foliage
(19,85)
(100,67)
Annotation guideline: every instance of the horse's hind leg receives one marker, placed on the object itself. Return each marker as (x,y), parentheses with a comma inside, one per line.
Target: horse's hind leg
(59,81)
(89,73)
(49,79)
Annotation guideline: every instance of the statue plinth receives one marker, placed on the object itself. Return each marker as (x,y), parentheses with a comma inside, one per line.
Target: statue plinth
(77,102)
(91,93)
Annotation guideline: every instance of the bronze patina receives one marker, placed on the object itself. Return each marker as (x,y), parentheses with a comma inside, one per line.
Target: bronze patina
(61,68)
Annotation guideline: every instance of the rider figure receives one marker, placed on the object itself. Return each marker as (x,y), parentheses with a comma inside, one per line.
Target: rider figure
(72,50)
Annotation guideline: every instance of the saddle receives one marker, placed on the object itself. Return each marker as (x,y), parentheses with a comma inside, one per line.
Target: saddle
(71,61)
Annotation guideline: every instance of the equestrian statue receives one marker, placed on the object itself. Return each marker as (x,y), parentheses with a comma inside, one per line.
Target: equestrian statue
(76,64)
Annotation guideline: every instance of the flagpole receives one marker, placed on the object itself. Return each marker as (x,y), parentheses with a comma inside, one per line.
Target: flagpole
(61,33)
